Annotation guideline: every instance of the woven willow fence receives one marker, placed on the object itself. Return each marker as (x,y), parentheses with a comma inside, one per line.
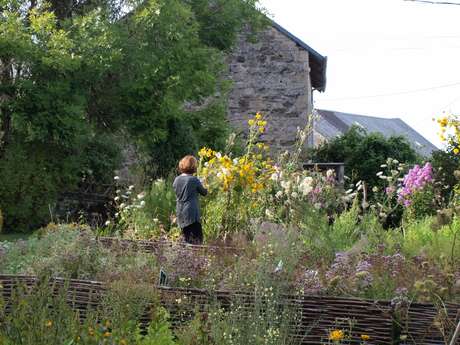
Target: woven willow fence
(318,314)
(156,247)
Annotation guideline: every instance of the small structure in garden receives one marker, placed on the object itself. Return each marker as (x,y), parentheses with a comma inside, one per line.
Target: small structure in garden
(275,75)
(339,169)
(331,124)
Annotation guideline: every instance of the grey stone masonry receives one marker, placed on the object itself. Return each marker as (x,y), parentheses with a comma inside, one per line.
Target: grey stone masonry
(270,76)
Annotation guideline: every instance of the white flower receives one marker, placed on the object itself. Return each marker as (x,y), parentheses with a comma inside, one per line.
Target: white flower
(131,187)
(349,191)
(159,182)
(116,178)
(268,213)
(226,172)
(380,173)
(274,177)
(107,223)
(116,198)
(382,177)
(395,161)
(306,185)
(279,267)
(286,185)
(279,194)
(218,155)
(383,166)
(330,173)
(155,220)
(141,196)
(122,205)
(375,189)
(142,203)
(294,195)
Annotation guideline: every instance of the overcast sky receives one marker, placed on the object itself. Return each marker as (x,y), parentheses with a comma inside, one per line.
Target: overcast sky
(388,58)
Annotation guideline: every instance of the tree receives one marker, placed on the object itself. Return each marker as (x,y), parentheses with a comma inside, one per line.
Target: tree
(77,75)
(363,153)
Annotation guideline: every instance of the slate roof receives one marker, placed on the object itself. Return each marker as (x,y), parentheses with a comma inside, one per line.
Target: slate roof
(333,123)
(318,62)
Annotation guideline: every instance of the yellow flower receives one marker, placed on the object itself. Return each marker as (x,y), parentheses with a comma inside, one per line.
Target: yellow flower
(206,152)
(107,334)
(261,129)
(456,151)
(336,335)
(365,337)
(48,323)
(251,122)
(90,331)
(258,116)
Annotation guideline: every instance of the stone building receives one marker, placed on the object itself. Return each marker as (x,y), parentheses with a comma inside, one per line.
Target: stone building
(275,75)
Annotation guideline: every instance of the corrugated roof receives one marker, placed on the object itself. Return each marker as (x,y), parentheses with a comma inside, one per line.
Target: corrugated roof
(318,62)
(334,123)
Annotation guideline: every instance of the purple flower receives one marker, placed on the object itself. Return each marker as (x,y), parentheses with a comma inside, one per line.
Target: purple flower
(416,179)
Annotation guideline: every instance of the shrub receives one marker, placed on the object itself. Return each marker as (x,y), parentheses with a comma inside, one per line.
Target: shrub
(351,147)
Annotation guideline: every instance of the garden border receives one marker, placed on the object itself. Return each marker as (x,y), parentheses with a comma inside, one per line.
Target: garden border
(375,318)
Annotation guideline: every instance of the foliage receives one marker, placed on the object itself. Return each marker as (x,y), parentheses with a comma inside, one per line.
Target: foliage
(146,214)
(40,317)
(72,251)
(43,105)
(76,74)
(445,163)
(351,147)
(267,321)
(235,180)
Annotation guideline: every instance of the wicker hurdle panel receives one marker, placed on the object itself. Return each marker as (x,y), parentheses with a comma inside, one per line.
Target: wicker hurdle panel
(422,323)
(319,314)
(158,246)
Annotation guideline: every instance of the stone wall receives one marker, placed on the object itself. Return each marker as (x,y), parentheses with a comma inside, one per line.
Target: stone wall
(271,76)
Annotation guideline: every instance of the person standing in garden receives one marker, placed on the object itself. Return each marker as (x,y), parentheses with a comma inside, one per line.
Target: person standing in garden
(187,187)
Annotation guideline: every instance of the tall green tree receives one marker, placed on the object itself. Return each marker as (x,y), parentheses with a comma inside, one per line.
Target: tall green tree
(77,75)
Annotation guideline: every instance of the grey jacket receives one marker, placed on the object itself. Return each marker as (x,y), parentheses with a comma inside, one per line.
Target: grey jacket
(187,188)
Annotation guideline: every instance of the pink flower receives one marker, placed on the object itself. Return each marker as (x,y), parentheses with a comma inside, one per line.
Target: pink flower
(416,179)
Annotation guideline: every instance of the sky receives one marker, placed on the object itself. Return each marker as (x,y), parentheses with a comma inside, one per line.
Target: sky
(386,58)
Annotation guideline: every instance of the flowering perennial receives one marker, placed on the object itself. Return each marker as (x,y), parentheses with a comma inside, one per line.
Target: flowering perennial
(249,172)
(450,132)
(416,179)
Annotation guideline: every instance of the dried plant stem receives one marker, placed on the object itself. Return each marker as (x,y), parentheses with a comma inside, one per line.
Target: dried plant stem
(456,335)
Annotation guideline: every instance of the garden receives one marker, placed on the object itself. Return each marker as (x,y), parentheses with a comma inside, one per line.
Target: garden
(275,236)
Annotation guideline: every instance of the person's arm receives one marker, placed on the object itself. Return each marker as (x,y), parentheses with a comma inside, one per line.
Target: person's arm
(203,191)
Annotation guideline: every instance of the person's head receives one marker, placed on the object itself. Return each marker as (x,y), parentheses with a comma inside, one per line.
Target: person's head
(188,165)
